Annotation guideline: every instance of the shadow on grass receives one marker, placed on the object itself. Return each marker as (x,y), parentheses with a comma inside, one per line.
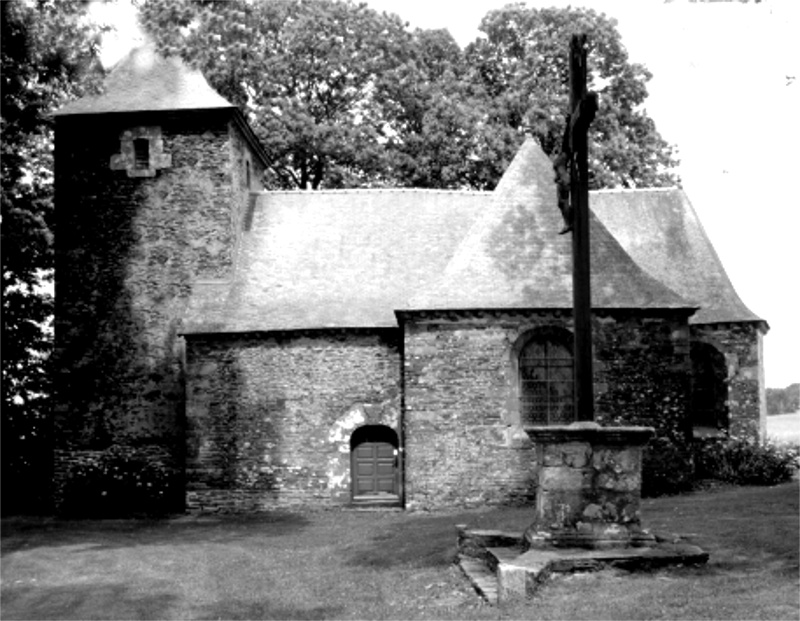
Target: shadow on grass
(30,533)
(339,564)
(430,541)
(238,609)
(114,601)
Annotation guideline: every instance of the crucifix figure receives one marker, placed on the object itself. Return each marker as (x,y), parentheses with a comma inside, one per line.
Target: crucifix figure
(572,179)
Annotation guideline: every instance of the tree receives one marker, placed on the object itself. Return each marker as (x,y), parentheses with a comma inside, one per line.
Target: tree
(48,52)
(304,71)
(783,400)
(344,96)
(436,117)
(523,64)
(341,95)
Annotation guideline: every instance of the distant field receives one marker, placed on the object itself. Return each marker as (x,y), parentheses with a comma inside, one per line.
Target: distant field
(784,427)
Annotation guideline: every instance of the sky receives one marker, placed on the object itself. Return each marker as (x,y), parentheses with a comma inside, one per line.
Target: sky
(724,91)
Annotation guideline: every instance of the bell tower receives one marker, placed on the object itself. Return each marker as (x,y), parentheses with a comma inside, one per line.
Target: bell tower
(152,180)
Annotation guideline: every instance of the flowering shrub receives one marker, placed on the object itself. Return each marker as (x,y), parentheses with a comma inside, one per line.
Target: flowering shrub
(745,462)
(666,468)
(121,481)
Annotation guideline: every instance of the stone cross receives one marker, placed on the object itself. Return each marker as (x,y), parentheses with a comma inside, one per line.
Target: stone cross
(572,175)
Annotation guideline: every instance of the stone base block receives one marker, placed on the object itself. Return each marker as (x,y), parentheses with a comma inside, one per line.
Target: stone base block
(522,576)
(503,572)
(589,484)
(589,535)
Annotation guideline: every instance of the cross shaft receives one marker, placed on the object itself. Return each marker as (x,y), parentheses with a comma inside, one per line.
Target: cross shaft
(583,107)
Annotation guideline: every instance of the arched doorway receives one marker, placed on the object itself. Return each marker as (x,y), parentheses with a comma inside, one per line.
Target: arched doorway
(375,465)
(709,389)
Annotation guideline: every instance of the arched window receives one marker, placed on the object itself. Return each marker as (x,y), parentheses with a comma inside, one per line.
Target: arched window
(546,378)
(709,387)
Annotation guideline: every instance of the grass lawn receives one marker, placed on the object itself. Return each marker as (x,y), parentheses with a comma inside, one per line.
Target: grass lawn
(351,565)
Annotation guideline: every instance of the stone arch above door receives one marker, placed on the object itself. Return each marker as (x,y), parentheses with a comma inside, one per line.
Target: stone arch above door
(339,437)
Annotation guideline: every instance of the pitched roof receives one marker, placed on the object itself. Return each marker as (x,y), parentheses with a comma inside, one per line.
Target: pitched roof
(661,231)
(513,256)
(144,81)
(352,258)
(334,259)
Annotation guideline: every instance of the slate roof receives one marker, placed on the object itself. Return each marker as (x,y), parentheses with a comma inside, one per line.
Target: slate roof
(143,81)
(334,259)
(662,233)
(351,258)
(513,256)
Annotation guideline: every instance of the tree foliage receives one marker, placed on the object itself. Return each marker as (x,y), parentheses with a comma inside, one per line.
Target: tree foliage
(783,400)
(432,119)
(306,73)
(523,63)
(344,96)
(48,52)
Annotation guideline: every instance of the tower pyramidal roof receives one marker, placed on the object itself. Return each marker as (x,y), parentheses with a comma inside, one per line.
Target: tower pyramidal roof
(145,81)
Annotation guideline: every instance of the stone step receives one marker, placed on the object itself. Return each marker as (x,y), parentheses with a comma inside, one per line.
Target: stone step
(504,573)
(521,576)
(480,576)
(376,502)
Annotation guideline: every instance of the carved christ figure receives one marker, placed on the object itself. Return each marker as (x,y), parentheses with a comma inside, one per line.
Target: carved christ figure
(578,121)
(562,165)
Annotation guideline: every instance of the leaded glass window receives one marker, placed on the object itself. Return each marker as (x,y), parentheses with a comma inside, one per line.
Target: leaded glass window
(546,379)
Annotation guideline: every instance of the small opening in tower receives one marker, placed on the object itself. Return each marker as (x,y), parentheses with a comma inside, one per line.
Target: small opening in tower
(141,153)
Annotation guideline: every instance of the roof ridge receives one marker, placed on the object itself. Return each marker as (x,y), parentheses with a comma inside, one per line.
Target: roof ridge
(377,191)
(652,189)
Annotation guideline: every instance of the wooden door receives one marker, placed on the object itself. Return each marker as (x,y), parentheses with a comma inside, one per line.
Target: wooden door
(374,469)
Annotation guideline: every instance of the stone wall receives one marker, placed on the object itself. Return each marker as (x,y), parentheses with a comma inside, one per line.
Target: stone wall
(643,371)
(269,417)
(742,346)
(246,168)
(129,244)
(463,438)
(463,444)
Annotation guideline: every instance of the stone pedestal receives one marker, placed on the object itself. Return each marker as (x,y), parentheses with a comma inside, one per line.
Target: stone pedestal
(589,487)
(587,516)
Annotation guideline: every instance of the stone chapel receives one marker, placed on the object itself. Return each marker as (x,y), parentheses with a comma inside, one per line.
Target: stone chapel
(381,346)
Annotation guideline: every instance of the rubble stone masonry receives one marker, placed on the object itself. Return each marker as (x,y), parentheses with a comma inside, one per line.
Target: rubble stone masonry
(742,346)
(464,441)
(128,248)
(270,417)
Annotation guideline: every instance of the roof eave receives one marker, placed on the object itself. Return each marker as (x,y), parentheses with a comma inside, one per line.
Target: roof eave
(761,324)
(236,115)
(250,136)
(689,310)
(208,332)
